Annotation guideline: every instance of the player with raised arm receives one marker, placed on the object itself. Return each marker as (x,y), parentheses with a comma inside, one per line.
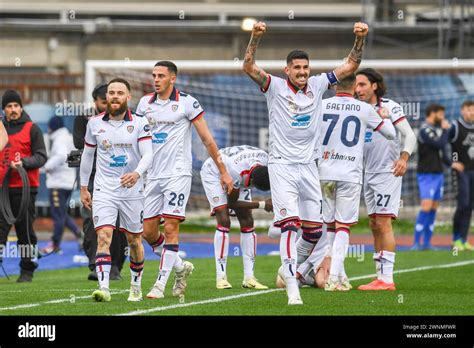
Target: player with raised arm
(171,113)
(385,163)
(294,107)
(247,166)
(345,120)
(124,153)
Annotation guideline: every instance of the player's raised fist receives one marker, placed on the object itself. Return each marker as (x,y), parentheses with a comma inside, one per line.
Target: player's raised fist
(361,29)
(259,29)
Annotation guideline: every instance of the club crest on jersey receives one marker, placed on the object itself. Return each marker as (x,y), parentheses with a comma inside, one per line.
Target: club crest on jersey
(283,212)
(300,121)
(310,94)
(130,129)
(174,107)
(118,161)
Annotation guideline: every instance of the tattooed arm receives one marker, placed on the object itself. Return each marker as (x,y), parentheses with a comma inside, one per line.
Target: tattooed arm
(250,68)
(355,56)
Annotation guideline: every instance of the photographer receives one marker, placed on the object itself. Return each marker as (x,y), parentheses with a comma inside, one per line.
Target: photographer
(119,240)
(25,150)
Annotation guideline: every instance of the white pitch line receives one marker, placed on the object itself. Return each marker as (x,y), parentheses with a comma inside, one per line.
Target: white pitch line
(221,299)
(62,300)
(255,293)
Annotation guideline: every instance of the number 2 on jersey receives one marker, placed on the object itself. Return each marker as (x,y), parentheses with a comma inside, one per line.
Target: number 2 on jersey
(333,118)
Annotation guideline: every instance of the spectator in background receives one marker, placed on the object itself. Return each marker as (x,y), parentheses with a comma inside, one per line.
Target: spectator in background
(432,141)
(25,148)
(60,180)
(3,135)
(119,240)
(461,136)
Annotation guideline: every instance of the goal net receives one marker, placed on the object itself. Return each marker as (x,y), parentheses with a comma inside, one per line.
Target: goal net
(236,111)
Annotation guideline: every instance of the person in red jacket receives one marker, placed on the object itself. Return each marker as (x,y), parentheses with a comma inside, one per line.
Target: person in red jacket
(25,148)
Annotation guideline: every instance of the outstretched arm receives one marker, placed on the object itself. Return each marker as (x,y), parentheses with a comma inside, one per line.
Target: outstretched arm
(355,56)
(257,74)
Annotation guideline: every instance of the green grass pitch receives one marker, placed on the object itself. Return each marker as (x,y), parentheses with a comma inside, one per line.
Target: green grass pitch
(443,287)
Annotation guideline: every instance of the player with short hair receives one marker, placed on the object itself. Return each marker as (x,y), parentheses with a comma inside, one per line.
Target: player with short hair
(171,113)
(385,162)
(345,120)
(124,153)
(247,166)
(294,107)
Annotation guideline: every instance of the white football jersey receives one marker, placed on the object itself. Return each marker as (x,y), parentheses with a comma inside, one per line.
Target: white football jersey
(239,161)
(117,152)
(294,117)
(379,152)
(344,122)
(170,121)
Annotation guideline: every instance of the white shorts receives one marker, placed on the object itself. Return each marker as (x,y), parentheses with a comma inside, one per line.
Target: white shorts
(296,192)
(105,211)
(341,201)
(382,193)
(167,197)
(216,195)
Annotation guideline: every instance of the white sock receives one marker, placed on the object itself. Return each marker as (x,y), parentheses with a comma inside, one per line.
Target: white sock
(376,258)
(178,263)
(168,259)
(221,250)
(387,261)
(304,249)
(330,240)
(339,249)
(157,246)
(136,272)
(248,244)
(288,255)
(103,264)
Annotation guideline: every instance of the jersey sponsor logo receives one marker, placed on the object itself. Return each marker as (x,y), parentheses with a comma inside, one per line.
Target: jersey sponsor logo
(300,121)
(106,144)
(159,138)
(368,137)
(101,131)
(336,156)
(130,129)
(118,161)
(151,121)
(396,110)
(196,104)
(174,107)
(469,141)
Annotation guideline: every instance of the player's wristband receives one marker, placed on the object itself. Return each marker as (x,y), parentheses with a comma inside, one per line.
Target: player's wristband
(261,205)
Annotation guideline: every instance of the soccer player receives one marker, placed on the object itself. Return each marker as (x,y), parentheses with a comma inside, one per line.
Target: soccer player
(433,138)
(385,162)
(345,120)
(124,153)
(247,166)
(461,136)
(294,107)
(314,270)
(171,113)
